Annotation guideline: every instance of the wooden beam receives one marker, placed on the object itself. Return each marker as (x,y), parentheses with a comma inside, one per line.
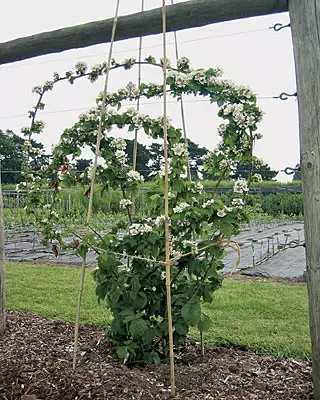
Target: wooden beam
(305,17)
(189,14)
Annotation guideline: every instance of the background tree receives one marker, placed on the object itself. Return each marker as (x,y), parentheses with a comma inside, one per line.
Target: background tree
(241,170)
(82,164)
(13,156)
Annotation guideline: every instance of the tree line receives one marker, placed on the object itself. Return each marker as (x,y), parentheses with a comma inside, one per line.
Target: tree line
(149,160)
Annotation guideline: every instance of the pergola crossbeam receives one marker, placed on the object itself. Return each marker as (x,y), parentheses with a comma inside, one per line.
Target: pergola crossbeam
(189,14)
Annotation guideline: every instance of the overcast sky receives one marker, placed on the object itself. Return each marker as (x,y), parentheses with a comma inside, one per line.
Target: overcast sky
(248,52)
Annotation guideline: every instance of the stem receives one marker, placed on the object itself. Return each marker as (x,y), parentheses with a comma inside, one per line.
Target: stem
(218,183)
(251,167)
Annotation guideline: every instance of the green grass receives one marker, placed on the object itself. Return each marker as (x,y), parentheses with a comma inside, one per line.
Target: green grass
(263,316)
(53,293)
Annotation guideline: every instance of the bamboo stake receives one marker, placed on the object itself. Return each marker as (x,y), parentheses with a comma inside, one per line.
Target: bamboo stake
(184,127)
(135,143)
(166,180)
(94,170)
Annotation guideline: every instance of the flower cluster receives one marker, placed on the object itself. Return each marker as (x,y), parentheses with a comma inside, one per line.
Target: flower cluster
(125,203)
(223,211)
(241,186)
(179,149)
(256,178)
(208,203)
(195,187)
(139,229)
(182,206)
(159,221)
(134,176)
(237,203)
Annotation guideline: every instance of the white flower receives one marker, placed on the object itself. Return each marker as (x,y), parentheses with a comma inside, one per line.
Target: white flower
(163,275)
(225,164)
(180,208)
(175,253)
(196,187)
(119,143)
(124,203)
(221,213)
(240,186)
(121,156)
(237,203)
(134,176)
(206,158)
(257,178)
(179,149)
(208,203)
(154,288)
(139,229)
(159,221)
(200,76)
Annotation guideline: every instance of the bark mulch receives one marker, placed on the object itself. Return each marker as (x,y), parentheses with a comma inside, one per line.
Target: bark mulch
(36,363)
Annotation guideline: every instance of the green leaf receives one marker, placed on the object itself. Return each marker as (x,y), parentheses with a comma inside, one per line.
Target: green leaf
(140,301)
(205,323)
(122,353)
(82,250)
(138,327)
(181,327)
(191,311)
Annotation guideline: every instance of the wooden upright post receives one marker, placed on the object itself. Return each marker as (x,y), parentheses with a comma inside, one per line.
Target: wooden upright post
(2,269)
(305,22)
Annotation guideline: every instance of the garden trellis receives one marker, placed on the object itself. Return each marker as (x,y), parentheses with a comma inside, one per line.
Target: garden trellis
(305,29)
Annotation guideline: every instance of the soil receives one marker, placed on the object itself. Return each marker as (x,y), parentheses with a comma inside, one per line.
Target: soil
(36,363)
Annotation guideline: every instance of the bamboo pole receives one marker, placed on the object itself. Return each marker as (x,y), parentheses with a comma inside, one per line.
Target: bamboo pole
(183,118)
(135,143)
(94,170)
(166,193)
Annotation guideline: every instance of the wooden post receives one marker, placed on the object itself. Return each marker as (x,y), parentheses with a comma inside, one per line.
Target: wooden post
(2,269)
(188,14)
(305,16)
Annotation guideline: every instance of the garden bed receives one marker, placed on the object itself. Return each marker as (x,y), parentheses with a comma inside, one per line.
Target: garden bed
(36,359)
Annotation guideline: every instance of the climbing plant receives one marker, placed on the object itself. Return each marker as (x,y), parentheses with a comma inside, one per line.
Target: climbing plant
(130,275)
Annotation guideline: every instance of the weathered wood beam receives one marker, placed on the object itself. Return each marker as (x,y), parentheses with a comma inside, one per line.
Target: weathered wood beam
(2,267)
(305,16)
(189,14)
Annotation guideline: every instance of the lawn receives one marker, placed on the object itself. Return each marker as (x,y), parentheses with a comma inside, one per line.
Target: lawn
(264,316)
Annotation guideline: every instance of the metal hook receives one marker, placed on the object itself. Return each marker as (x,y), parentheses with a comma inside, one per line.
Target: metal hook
(291,171)
(278,27)
(284,96)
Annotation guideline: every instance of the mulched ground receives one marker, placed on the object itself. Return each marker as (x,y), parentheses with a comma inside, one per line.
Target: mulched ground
(36,363)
